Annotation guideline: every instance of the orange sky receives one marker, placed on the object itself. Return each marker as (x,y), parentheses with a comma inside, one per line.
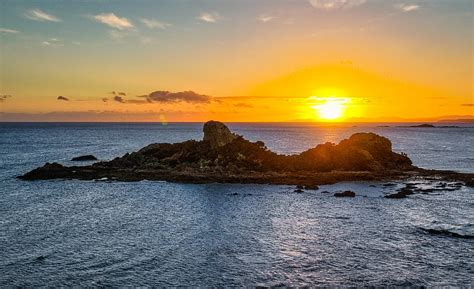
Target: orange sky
(301,60)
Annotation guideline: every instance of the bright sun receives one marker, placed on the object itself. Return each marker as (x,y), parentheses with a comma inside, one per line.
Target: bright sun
(331,108)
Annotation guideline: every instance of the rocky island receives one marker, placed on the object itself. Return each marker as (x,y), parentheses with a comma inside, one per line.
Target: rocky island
(225,157)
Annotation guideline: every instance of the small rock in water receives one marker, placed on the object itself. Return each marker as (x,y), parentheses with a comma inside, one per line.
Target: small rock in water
(40,258)
(403,193)
(234,194)
(299,190)
(311,187)
(345,194)
(389,185)
(84,158)
(325,192)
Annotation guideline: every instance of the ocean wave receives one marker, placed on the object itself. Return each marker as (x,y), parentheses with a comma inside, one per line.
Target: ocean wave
(462,231)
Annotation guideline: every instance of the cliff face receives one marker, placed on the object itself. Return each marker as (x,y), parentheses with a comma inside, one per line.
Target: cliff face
(226,155)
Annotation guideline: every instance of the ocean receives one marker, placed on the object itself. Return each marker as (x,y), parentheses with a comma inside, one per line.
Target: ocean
(99,233)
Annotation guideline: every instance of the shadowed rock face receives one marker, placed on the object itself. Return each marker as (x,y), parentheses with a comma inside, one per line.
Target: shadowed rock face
(226,157)
(217,134)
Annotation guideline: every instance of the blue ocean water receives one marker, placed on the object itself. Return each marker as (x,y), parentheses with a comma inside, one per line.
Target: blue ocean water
(94,233)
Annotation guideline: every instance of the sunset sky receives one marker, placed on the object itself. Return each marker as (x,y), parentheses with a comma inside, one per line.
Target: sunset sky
(236,60)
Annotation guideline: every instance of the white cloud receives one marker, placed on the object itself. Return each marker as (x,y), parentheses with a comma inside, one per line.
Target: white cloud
(335,4)
(407,7)
(113,20)
(209,17)
(151,23)
(265,18)
(5,30)
(52,42)
(38,15)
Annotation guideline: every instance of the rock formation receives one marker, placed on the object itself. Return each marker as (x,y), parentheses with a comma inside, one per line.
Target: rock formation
(217,134)
(226,157)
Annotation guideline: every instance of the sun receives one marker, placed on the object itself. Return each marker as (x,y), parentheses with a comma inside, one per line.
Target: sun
(330,108)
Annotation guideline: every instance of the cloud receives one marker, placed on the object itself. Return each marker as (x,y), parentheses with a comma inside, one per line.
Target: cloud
(152,23)
(265,18)
(114,21)
(105,99)
(209,17)
(182,96)
(119,99)
(4,97)
(121,93)
(63,98)
(335,4)
(242,104)
(468,104)
(38,15)
(52,42)
(117,35)
(407,7)
(5,30)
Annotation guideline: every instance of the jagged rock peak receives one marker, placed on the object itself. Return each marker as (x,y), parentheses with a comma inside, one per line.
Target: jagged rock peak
(217,133)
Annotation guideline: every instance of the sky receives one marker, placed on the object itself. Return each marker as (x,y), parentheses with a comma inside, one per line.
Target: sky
(236,60)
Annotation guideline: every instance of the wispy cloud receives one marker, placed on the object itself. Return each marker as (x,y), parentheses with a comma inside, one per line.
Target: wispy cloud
(154,24)
(53,42)
(209,17)
(186,96)
(114,21)
(265,18)
(407,7)
(39,15)
(62,98)
(468,104)
(6,30)
(335,4)
(4,97)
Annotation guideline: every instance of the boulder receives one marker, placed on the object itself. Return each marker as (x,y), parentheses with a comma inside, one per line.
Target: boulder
(345,194)
(217,134)
(84,158)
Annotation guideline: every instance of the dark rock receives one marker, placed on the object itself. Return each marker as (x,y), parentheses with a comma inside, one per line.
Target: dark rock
(84,158)
(325,192)
(217,134)
(299,187)
(298,190)
(345,194)
(40,258)
(389,185)
(234,194)
(403,193)
(312,187)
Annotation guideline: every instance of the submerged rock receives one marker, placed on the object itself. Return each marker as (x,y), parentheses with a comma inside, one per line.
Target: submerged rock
(345,194)
(84,158)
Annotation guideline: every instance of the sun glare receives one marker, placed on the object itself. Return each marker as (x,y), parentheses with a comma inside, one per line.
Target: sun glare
(330,108)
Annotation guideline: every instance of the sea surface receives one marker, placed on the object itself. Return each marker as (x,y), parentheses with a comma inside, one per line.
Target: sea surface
(99,233)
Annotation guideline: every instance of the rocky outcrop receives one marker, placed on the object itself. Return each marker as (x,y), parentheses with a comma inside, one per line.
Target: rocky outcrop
(223,156)
(84,158)
(217,134)
(345,194)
